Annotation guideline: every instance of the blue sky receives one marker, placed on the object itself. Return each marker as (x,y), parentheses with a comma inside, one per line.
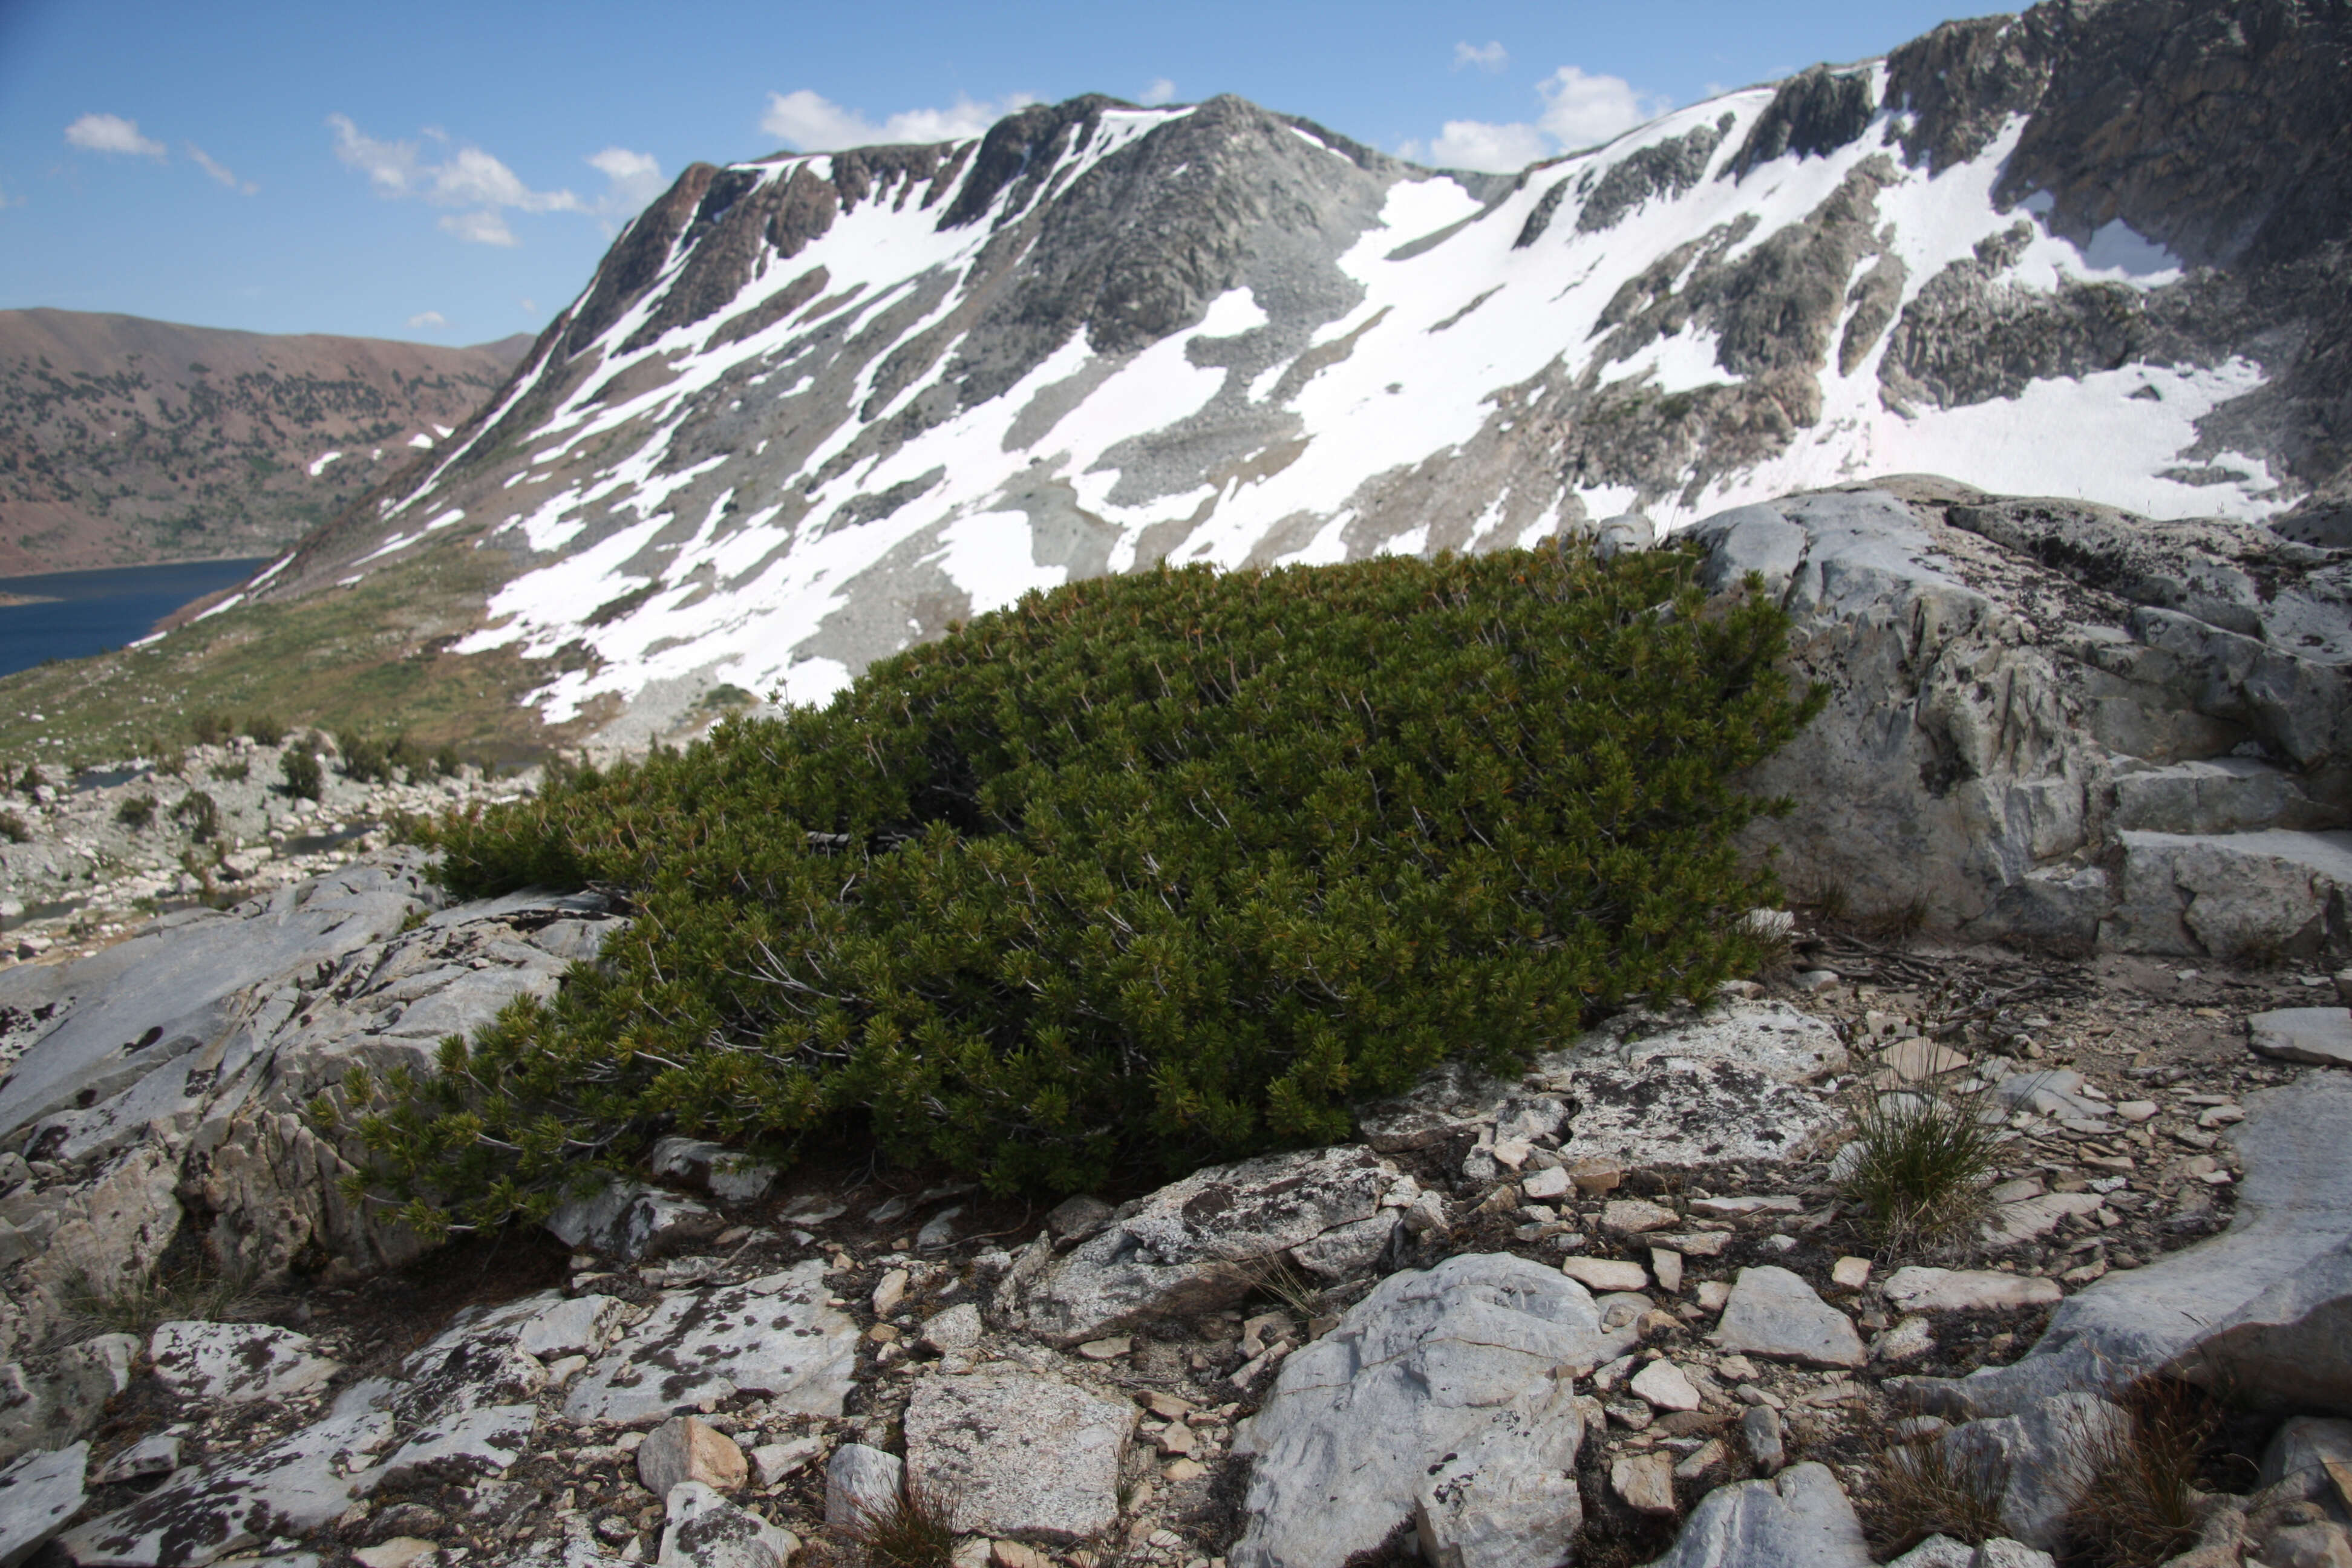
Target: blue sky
(453,172)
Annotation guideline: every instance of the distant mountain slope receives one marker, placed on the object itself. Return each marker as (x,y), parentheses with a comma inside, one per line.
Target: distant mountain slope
(813,408)
(124,440)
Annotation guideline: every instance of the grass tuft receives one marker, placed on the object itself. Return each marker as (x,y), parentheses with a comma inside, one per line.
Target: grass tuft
(1917,1490)
(914,1528)
(2141,1506)
(1926,1156)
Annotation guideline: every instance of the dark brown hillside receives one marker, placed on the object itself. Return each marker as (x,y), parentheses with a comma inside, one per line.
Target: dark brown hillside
(124,440)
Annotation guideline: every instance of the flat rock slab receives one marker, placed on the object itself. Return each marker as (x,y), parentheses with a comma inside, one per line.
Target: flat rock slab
(176,988)
(1800,1519)
(1921,1289)
(2258,1309)
(290,1487)
(581,1325)
(464,1449)
(2319,1034)
(1441,1398)
(37,1494)
(1733,1084)
(2029,1219)
(1196,1244)
(232,1364)
(1019,1455)
(774,1337)
(1772,1312)
(50,1408)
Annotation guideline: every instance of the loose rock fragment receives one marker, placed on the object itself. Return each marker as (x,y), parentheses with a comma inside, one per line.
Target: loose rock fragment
(1643,1483)
(686,1448)
(1772,1312)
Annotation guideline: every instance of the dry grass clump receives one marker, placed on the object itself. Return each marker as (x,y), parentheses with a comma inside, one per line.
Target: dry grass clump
(200,1294)
(914,1528)
(2140,1507)
(1919,1489)
(1926,1157)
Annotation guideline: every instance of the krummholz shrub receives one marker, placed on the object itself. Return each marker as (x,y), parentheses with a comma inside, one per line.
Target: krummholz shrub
(1143,872)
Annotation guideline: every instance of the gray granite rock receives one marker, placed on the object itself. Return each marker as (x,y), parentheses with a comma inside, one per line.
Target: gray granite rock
(50,1403)
(2305,1455)
(861,1481)
(956,1329)
(157,1454)
(725,1174)
(288,1488)
(38,1493)
(1916,1288)
(773,1336)
(1773,1312)
(462,1448)
(2038,1456)
(1736,1082)
(1193,1245)
(2259,1309)
(578,1325)
(688,1448)
(1442,1399)
(706,1530)
(2319,1034)
(232,1364)
(632,1223)
(177,1065)
(1800,1519)
(1017,1454)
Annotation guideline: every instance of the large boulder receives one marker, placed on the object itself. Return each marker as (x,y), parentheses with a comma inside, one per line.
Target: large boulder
(1442,1400)
(179,1065)
(1204,1243)
(2049,718)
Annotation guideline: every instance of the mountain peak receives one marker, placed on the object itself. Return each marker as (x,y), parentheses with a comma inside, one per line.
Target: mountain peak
(814,406)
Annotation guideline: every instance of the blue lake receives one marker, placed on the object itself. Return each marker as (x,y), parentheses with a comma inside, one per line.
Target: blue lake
(94,611)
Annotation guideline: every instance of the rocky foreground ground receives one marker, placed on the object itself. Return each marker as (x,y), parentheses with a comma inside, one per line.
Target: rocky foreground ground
(1618,1301)
(83,864)
(1623,1309)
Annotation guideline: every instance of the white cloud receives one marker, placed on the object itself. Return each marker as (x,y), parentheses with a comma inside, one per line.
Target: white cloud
(634,179)
(217,169)
(487,226)
(466,178)
(1492,57)
(1475,144)
(428,320)
(111,133)
(811,124)
(1580,110)
(1161,91)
